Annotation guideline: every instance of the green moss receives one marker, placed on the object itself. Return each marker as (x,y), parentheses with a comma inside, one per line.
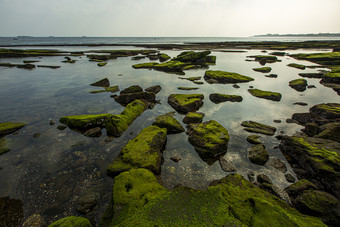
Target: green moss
(295,189)
(263,69)
(71,221)
(258,154)
(186,102)
(274,96)
(331,77)
(252,126)
(170,123)
(144,151)
(193,117)
(116,124)
(10,127)
(193,57)
(132,190)
(330,58)
(102,64)
(170,66)
(164,57)
(148,65)
(17,53)
(298,82)
(111,89)
(218,98)
(331,109)
(84,121)
(3,148)
(225,77)
(254,139)
(298,66)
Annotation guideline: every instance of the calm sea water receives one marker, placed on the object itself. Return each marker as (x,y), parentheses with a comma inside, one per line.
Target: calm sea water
(49,169)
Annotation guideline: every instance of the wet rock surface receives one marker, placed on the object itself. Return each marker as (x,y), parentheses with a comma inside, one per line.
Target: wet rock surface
(252,126)
(258,154)
(184,103)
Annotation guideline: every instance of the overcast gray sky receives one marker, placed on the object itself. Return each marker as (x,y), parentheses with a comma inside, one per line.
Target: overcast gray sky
(220,18)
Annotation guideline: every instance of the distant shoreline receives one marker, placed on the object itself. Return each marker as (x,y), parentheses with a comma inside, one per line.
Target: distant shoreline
(301,35)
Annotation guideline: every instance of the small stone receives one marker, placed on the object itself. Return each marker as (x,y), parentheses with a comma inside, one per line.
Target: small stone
(278,164)
(236,86)
(175,158)
(154,89)
(52,122)
(61,127)
(262,178)
(291,121)
(289,177)
(311,86)
(277,121)
(300,103)
(101,83)
(254,139)
(226,166)
(36,135)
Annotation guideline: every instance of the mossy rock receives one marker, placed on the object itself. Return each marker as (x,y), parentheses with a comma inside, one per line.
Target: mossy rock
(297,66)
(319,204)
(218,98)
(127,98)
(164,57)
(270,95)
(195,58)
(193,117)
(263,69)
(298,187)
(101,64)
(331,77)
(3,148)
(330,58)
(144,151)
(10,127)
(71,221)
(132,89)
(224,77)
(258,154)
(254,139)
(185,103)
(330,131)
(148,65)
(111,89)
(187,88)
(298,84)
(252,126)
(117,124)
(84,121)
(326,110)
(269,58)
(170,123)
(170,66)
(102,83)
(210,140)
(232,201)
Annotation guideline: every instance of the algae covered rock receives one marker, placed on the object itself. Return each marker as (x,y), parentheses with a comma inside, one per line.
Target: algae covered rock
(71,221)
(218,98)
(10,127)
(132,89)
(297,66)
(155,89)
(164,57)
(185,102)
(102,83)
(330,131)
(127,98)
(193,117)
(148,65)
(254,139)
(263,69)
(298,84)
(258,154)
(270,95)
(210,140)
(84,121)
(144,151)
(298,187)
(252,126)
(224,77)
(170,66)
(170,123)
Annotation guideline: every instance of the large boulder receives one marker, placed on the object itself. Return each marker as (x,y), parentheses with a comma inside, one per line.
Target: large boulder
(224,77)
(270,95)
(210,140)
(144,151)
(258,154)
(185,103)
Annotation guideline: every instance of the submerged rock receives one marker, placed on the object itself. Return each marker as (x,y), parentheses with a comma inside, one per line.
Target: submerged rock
(35,220)
(226,166)
(252,126)
(71,221)
(111,89)
(10,127)
(170,123)
(11,211)
(210,140)
(258,154)
(127,98)
(254,139)
(155,89)
(144,151)
(185,102)
(132,89)
(87,201)
(298,84)
(193,117)
(270,95)
(278,164)
(84,121)
(224,77)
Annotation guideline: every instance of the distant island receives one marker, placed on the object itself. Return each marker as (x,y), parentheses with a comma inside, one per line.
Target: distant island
(308,35)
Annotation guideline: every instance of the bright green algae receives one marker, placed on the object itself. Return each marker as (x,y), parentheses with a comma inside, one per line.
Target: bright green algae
(297,66)
(170,123)
(298,82)
(225,77)
(270,95)
(10,127)
(148,65)
(232,201)
(263,69)
(84,121)
(71,221)
(144,151)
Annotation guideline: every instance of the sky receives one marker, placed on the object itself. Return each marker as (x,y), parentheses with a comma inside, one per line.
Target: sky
(167,18)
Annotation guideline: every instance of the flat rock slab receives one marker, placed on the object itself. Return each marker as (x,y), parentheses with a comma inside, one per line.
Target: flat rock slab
(185,103)
(210,140)
(224,77)
(170,123)
(270,95)
(127,98)
(10,127)
(252,126)
(218,98)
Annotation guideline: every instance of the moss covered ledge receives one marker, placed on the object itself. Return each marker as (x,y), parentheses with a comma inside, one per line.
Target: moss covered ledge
(270,95)
(217,76)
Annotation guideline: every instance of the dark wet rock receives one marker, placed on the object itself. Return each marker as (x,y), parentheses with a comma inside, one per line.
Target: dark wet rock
(290,178)
(176,159)
(132,89)
(278,164)
(49,66)
(127,98)
(236,86)
(226,166)
(252,126)
(312,75)
(300,103)
(258,154)
(291,121)
(210,140)
(144,151)
(224,77)
(270,95)
(263,69)
(138,57)
(263,61)
(218,98)
(267,58)
(262,178)
(254,139)
(155,89)
(11,211)
(298,187)
(318,157)
(84,121)
(277,121)
(271,76)
(52,122)
(311,129)
(61,127)
(251,177)
(278,53)
(276,191)
(87,200)
(111,89)
(297,66)
(319,204)
(35,220)
(148,65)
(298,84)
(331,77)
(193,117)
(330,131)
(36,135)
(311,86)
(93,132)
(185,103)
(187,88)
(170,123)
(71,221)
(3,148)
(26,66)
(164,57)
(102,57)
(10,127)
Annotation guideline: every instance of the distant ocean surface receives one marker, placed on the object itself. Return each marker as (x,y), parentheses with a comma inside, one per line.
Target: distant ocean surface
(27,40)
